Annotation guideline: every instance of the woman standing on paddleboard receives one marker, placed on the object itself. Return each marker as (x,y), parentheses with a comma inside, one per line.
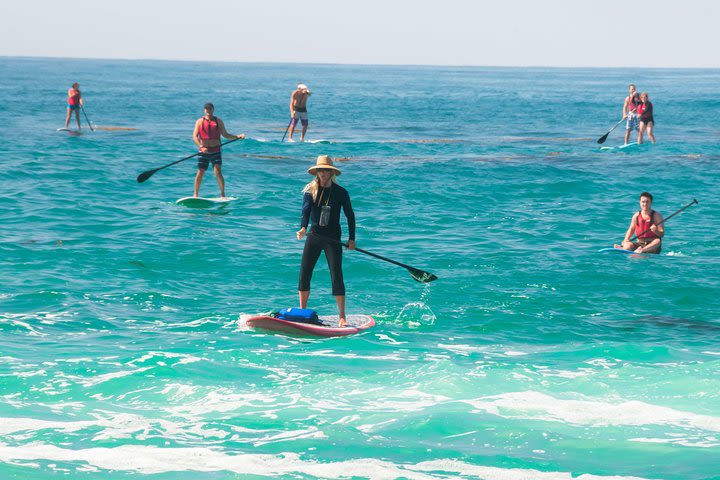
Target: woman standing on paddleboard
(323,199)
(647,122)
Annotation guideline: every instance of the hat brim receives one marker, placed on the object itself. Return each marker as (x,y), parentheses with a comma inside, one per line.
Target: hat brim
(313,170)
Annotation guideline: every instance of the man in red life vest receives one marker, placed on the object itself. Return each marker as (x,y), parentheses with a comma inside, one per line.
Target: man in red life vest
(207,137)
(646,224)
(629,111)
(74,102)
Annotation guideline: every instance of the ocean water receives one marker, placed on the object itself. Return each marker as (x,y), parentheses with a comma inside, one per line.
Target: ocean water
(123,350)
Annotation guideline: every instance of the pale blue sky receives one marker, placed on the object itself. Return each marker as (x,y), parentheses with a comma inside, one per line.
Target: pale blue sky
(566,33)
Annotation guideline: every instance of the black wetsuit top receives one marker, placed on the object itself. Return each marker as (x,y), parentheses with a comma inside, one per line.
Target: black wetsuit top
(337,198)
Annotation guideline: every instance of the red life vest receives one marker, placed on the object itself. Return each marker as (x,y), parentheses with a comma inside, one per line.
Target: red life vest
(633,103)
(73,99)
(643,225)
(210,130)
(645,111)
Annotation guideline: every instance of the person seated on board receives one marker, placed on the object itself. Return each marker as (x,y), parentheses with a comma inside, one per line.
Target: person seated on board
(629,111)
(207,137)
(645,114)
(646,225)
(298,110)
(74,102)
(323,199)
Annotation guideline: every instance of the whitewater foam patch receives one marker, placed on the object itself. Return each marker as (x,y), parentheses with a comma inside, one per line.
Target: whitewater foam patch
(708,442)
(184,358)
(538,406)
(153,460)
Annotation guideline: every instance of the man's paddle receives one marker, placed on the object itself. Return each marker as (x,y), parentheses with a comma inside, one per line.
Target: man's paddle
(635,237)
(86,118)
(286,130)
(604,137)
(149,173)
(416,273)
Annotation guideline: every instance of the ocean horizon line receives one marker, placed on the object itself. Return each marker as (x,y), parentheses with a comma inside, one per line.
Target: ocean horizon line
(361,64)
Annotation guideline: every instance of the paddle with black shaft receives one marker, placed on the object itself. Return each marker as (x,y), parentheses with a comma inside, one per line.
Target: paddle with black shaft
(87,119)
(286,130)
(149,173)
(635,237)
(416,273)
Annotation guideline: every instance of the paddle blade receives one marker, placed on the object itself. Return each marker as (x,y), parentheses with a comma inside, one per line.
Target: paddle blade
(145,175)
(421,276)
(603,138)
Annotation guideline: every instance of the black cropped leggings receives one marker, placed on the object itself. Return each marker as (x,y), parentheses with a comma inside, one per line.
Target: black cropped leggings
(333,252)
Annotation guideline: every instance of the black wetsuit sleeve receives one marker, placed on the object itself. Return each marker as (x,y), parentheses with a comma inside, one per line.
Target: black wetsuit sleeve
(306,208)
(350,215)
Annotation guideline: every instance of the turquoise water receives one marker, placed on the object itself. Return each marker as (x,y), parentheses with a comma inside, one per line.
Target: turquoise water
(122,345)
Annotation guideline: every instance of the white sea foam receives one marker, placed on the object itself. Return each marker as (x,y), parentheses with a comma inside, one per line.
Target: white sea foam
(462,349)
(222,400)
(92,381)
(389,339)
(22,424)
(538,406)
(405,401)
(494,473)
(332,354)
(514,353)
(35,373)
(153,460)
(708,442)
(21,320)
(184,358)
(122,426)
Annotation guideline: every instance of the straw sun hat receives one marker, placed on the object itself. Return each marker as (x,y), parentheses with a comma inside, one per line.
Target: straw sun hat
(323,161)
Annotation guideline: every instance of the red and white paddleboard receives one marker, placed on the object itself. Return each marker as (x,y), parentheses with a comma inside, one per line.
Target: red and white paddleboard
(330,328)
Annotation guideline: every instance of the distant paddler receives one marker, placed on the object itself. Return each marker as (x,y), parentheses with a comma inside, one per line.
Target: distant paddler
(646,226)
(298,110)
(629,111)
(207,137)
(74,102)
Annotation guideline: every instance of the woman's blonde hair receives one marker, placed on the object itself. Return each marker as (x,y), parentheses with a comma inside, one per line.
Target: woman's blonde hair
(313,187)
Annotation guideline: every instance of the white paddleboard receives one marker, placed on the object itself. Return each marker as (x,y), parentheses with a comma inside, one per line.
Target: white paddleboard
(202,202)
(616,250)
(323,142)
(70,130)
(626,147)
